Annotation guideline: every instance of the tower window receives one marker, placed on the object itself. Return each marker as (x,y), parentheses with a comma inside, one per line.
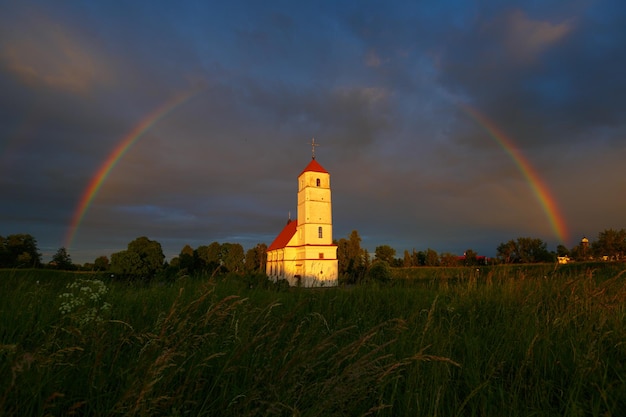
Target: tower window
(321,255)
(317,181)
(319,232)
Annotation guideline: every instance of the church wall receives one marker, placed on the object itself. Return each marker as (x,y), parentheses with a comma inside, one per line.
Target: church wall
(309,179)
(320,272)
(309,260)
(310,234)
(314,208)
(315,212)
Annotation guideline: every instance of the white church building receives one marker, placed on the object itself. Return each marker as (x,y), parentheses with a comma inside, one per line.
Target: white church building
(303,253)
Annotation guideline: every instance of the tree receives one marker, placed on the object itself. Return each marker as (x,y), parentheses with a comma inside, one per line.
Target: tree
(151,253)
(127,263)
(449,259)
(232,257)
(256,258)
(209,257)
(351,258)
(385,253)
(419,258)
(101,263)
(143,258)
(5,258)
(431,258)
(186,258)
(408,259)
(532,250)
(357,256)
(342,256)
(611,243)
(561,250)
(507,252)
(379,272)
(62,260)
(470,258)
(19,251)
(524,250)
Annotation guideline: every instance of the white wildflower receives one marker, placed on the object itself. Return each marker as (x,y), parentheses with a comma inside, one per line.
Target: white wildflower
(83,300)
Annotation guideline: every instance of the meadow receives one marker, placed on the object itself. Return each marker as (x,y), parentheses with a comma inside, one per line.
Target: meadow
(532,340)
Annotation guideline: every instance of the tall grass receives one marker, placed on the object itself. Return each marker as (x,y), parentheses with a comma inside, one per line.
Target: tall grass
(451,342)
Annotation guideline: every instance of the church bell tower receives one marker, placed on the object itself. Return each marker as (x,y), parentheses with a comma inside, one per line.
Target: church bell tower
(304,253)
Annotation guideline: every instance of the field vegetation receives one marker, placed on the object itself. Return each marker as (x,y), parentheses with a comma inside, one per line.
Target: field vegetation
(515,340)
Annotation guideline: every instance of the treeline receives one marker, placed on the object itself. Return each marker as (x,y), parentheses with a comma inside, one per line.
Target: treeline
(609,246)
(144,258)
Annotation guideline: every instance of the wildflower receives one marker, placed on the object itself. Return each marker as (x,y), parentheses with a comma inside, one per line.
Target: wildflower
(83,299)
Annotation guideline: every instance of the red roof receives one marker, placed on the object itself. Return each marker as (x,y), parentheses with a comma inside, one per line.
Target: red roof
(314,166)
(284,236)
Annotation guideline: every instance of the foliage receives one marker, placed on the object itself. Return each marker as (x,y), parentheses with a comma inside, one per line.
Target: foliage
(511,340)
(524,250)
(470,258)
(186,258)
(379,272)
(352,260)
(19,251)
(610,244)
(216,257)
(232,257)
(385,253)
(256,258)
(419,258)
(448,259)
(407,260)
(209,256)
(431,258)
(143,259)
(561,250)
(101,263)
(62,260)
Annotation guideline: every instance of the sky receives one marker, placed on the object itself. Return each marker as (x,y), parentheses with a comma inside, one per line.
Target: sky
(449,125)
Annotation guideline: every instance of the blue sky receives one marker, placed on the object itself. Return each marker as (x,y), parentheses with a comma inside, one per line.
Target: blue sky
(380,85)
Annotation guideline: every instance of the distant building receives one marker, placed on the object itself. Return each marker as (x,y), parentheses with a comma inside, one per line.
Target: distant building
(303,253)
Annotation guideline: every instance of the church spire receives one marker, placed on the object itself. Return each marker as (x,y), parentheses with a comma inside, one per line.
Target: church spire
(313,145)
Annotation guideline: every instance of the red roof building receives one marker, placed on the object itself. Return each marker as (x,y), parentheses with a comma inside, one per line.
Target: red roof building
(303,253)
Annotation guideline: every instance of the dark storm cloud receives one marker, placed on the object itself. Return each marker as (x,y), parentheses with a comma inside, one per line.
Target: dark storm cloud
(545,78)
(379,87)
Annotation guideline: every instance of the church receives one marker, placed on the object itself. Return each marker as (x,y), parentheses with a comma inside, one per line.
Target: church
(303,253)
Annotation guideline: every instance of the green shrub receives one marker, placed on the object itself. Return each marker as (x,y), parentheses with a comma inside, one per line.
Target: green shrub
(379,272)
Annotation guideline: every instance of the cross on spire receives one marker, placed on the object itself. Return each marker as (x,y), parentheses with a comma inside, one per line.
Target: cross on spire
(313,145)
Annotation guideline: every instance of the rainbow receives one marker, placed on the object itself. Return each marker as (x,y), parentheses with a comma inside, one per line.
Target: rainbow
(538,186)
(112,159)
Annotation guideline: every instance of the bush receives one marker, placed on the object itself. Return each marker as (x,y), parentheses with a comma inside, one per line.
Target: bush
(379,272)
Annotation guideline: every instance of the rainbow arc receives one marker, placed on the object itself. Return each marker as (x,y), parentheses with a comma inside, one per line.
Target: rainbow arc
(113,158)
(537,184)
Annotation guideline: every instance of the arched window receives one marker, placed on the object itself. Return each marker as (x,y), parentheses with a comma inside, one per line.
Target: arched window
(318,182)
(319,232)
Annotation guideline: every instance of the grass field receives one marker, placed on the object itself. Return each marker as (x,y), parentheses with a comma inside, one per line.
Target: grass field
(516,341)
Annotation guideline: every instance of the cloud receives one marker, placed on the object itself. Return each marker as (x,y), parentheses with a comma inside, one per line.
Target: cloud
(41,52)
(372,59)
(545,81)
(378,88)
(527,39)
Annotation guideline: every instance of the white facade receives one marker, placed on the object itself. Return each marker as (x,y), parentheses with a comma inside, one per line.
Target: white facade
(304,253)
